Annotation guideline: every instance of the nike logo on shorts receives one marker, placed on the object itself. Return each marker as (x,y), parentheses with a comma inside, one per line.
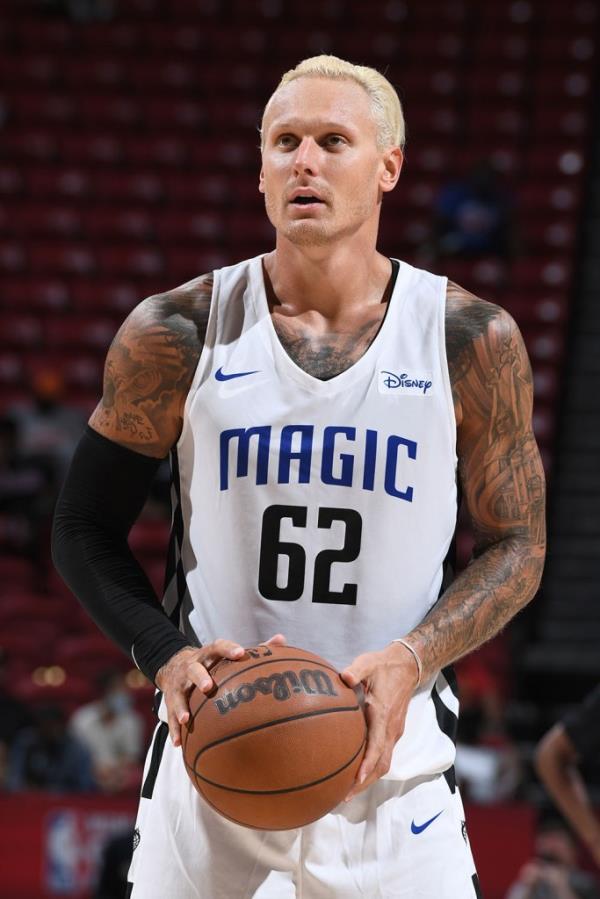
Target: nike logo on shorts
(221,376)
(419,828)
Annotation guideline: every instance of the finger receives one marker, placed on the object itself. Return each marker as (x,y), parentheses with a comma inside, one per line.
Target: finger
(276,640)
(360,788)
(376,740)
(177,714)
(198,675)
(223,649)
(381,767)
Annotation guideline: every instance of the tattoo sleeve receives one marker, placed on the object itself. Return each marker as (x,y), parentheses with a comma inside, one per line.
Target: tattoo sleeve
(149,369)
(502,480)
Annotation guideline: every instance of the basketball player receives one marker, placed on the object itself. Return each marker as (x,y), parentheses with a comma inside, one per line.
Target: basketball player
(321,403)
(572,741)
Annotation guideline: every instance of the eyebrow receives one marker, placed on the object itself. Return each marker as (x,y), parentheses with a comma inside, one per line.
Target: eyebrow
(296,124)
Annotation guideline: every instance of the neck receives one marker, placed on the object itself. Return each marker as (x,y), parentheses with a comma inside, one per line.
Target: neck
(329,280)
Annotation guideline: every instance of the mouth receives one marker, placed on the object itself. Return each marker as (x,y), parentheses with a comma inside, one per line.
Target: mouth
(307,200)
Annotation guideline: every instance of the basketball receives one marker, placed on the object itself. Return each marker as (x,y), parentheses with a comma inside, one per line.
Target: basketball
(278,743)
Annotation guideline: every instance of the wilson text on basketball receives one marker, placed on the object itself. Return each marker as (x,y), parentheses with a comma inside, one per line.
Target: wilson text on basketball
(280,686)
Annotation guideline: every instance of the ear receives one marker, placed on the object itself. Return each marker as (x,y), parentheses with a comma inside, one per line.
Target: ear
(261,181)
(393,159)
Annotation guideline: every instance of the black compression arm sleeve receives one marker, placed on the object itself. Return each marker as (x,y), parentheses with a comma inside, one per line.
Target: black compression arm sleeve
(103,494)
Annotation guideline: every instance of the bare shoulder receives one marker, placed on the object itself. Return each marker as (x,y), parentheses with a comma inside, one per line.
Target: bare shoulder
(150,366)
(481,339)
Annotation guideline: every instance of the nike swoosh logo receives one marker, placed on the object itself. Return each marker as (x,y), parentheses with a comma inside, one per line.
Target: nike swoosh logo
(419,828)
(221,376)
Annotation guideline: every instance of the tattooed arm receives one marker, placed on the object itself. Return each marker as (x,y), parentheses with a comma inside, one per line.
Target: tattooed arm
(502,480)
(149,369)
(148,373)
(503,485)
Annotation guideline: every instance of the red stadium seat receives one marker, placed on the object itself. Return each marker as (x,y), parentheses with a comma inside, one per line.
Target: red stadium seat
(62,259)
(116,110)
(15,572)
(428,122)
(536,198)
(544,274)
(69,694)
(11,369)
(580,48)
(149,538)
(87,656)
(544,237)
(130,262)
(91,149)
(99,296)
(546,345)
(178,40)
(167,150)
(21,331)
(501,85)
(133,224)
(45,35)
(22,610)
(39,219)
(506,49)
(53,108)
(564,160)
(573,85)
(11,181)
(55,182)
(25,143)
(94,334)
(571,17)
(497,122)
(560,122)
(94,73)
(138,186)
(27,293)
(192,227)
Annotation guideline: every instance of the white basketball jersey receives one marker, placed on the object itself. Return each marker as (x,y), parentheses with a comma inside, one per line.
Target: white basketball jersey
(320,509)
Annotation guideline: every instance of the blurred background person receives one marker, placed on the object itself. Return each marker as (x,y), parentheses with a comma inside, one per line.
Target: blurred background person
(474,216)
(113,734)
(569,743)
(46,757)
(553,873)
(14,717)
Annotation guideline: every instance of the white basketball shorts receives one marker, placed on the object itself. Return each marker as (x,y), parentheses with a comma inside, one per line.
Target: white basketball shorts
(396,840)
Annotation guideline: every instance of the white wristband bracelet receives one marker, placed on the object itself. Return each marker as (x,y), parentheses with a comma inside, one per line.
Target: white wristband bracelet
(416,657)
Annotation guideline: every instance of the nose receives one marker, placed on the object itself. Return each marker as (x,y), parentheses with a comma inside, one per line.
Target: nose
(306,157)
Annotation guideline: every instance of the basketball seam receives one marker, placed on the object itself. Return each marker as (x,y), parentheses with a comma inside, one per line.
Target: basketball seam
(257,665)
(306,786)
(249,730)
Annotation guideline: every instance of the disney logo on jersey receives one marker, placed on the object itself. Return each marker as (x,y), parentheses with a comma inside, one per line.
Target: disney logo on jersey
(280,686)
(405,383)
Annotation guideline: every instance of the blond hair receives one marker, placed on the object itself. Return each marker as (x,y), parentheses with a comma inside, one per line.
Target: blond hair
(385,103)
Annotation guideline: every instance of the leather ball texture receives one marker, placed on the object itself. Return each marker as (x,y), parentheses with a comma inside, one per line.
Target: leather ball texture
(278,743)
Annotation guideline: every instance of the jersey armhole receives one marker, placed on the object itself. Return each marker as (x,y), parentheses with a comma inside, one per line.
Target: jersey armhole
(204,357)
(445,368)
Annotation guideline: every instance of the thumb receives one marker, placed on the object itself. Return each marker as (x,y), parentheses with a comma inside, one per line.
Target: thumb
(358,670)
(276,640)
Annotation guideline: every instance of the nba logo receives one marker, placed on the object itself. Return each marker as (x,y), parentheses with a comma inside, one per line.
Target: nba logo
(74,839)
(63,857)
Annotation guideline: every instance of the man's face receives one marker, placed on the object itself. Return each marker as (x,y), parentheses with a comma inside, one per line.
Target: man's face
(322,173)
